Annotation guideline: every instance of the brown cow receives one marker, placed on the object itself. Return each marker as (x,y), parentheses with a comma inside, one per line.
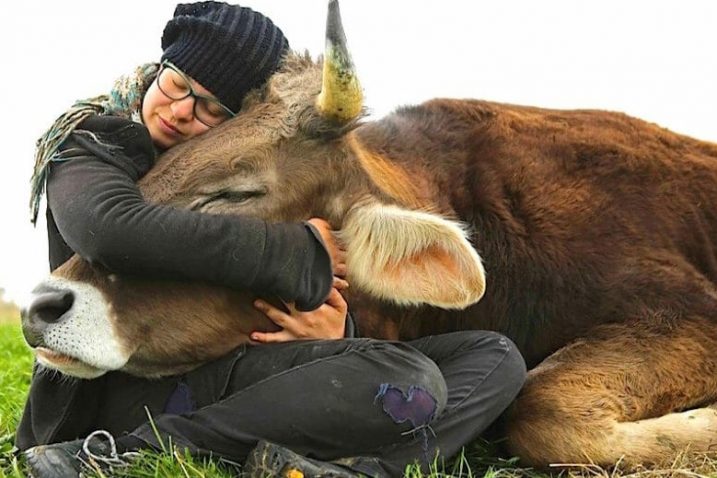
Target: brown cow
(597,231)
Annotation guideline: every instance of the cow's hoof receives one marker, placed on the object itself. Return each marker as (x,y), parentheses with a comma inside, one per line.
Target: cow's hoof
(271,460)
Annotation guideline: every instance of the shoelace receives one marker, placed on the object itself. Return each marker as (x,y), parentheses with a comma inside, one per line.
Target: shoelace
(114,460)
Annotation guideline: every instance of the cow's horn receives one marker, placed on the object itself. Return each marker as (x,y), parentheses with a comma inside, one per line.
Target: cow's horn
(341,98)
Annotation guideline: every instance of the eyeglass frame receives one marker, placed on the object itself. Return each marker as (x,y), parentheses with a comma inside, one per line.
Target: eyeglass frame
(191,92)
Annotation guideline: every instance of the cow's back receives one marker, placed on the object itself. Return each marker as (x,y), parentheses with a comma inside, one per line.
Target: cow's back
(571,210)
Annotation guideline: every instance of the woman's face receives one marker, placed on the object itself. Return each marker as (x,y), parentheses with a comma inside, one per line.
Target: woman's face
(170,121)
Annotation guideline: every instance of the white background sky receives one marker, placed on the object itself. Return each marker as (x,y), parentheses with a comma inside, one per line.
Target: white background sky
(653,59)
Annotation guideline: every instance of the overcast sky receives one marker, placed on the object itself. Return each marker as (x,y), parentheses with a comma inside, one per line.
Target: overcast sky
(651,59)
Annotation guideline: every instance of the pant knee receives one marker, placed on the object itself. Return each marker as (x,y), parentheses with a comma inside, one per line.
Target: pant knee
(497,352)
(482,342)
(513,367)
(415,390)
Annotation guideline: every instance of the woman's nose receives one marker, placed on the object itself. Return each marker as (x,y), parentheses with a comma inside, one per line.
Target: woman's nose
(184,108)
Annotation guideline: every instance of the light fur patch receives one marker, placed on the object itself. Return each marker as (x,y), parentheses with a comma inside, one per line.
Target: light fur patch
(85,333)
(411,257)
(391,179)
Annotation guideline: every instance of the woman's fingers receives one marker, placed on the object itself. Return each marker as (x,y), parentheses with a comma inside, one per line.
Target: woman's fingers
(333,247)
(272,337)
(276,315)
(337,301)
(340,284)
(326,322)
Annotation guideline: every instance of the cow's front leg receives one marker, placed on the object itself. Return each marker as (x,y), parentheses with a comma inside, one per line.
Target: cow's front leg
(634,393)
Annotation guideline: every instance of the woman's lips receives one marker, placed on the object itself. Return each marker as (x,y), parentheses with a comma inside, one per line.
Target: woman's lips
(167,128)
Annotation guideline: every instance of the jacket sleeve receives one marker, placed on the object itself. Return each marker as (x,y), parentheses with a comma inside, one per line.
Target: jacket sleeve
(102,216)
(351,330)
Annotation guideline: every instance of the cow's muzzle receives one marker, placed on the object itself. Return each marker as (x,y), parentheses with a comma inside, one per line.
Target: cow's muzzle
(48,306)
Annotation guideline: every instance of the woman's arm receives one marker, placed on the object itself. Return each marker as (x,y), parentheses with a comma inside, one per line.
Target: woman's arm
(101,215)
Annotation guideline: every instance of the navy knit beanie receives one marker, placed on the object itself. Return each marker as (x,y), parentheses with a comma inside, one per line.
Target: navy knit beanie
(228,49)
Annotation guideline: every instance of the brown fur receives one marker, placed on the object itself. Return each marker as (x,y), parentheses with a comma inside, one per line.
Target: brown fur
(597,231)
(389,177)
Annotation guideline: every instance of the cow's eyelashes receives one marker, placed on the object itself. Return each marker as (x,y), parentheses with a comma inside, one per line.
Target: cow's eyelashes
(227,196)
(234,196)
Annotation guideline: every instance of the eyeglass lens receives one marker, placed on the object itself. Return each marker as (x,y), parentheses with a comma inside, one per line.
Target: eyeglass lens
(175,86)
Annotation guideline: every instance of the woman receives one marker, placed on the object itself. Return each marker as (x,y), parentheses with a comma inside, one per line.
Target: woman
(370,403)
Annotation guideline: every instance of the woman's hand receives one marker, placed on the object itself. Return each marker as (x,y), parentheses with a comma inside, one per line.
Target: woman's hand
(326,322)
(335,250)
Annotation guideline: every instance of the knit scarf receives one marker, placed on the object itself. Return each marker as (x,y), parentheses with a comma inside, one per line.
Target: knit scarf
(124,100)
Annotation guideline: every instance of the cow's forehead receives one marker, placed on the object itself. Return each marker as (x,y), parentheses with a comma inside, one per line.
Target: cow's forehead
(298,81)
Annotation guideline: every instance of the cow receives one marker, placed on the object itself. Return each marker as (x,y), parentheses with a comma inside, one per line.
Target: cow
(588,237)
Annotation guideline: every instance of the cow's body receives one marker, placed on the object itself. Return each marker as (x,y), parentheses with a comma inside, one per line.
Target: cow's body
(581,217)
(597,233)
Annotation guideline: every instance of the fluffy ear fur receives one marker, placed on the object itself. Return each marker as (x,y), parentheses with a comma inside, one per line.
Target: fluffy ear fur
(411,257)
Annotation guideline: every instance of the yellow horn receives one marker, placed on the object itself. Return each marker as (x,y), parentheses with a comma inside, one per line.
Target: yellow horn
(341,98)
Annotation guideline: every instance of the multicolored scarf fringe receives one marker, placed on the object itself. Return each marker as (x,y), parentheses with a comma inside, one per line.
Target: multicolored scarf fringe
(124,100)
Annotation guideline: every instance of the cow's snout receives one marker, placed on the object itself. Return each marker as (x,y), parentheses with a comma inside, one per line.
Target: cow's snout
(46,307)
(49,307)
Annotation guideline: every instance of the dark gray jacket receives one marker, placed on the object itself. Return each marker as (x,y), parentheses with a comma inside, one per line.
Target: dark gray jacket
(93,189)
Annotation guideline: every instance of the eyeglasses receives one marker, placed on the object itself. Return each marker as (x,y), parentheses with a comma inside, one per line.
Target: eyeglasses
(176,86)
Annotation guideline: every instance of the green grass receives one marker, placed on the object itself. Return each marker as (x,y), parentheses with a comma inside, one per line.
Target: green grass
(15,368)
(475,461)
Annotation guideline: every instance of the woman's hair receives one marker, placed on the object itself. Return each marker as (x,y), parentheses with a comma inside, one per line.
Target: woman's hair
(228,49)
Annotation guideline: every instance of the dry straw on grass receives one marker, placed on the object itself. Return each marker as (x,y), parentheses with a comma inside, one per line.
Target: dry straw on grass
(687,465)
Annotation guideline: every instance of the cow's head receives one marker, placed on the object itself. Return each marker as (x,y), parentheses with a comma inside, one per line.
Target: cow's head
(291,154)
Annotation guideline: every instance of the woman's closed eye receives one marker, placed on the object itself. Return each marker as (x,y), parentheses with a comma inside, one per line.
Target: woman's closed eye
(179,86)
(211,107)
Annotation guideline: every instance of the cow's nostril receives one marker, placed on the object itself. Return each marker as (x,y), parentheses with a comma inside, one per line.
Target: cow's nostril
(49,307)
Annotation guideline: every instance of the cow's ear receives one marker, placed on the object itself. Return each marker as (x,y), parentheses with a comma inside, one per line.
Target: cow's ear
(411,257)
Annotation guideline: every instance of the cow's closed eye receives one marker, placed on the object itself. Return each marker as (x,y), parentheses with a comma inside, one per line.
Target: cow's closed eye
(226,196)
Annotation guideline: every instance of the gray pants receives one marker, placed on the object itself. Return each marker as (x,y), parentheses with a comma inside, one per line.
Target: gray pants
(376,405)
